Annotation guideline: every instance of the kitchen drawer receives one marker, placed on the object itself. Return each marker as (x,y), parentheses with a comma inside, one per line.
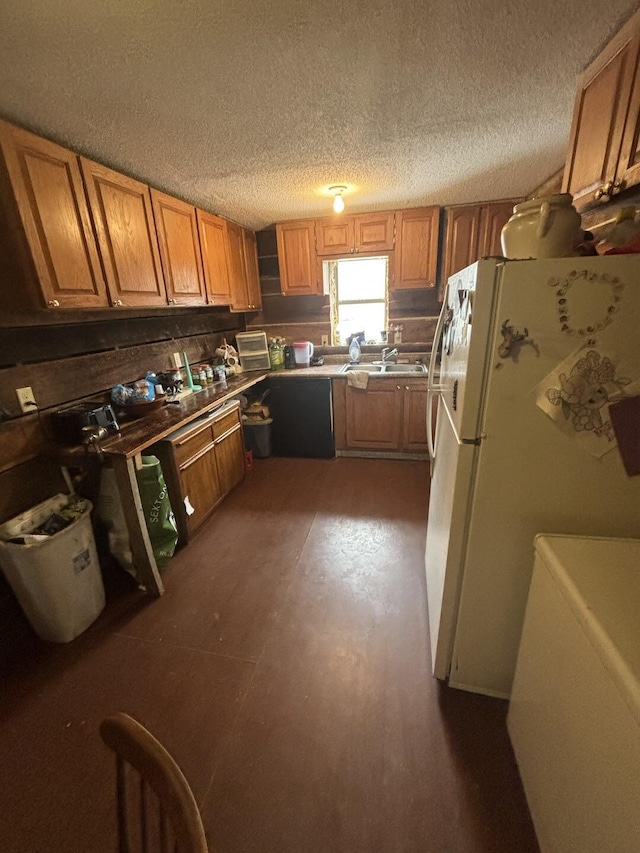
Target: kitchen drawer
(188,447)
(225,423)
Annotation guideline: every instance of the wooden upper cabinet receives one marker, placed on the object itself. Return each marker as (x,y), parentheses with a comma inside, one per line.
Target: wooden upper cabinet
(374,232)
(297,258)
(47,220)
(177,229)
(628,173)
(335,235)
(236,267)
(346,235)
(252,275)
(416,251)
(461,238)
(213,243)
(472,232)
(595,168)
(493,218)
(126,232)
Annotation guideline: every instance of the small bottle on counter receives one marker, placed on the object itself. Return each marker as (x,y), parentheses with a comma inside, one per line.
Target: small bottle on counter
(276,354)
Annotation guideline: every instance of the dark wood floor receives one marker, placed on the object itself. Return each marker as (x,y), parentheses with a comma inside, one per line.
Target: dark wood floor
(287,670)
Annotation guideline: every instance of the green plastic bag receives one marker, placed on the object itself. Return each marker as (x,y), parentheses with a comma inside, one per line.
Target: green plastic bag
(158,514)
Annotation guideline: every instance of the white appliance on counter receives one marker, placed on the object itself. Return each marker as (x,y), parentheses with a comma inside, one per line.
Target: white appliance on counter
(503,469)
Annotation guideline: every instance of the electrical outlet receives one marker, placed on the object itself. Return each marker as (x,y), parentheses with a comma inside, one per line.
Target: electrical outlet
(26,399)
(325,340)
(177,359)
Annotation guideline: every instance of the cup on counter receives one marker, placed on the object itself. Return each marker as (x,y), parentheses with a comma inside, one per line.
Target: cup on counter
(303,350)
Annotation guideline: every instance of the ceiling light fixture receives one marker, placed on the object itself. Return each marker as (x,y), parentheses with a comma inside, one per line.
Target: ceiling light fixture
(338,201)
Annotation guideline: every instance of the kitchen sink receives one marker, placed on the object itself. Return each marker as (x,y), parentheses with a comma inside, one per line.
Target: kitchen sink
(385,368)
(405,368)
(368,368)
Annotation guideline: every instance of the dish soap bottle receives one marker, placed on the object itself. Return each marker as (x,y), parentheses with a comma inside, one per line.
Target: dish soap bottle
(354,351)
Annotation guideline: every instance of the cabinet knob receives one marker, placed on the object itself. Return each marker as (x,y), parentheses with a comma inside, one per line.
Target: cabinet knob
(172,302)
(357,249)
(117,303)
(617,186)
(398,388)
(352,250)
(406,387)
(53,303)
(604,190)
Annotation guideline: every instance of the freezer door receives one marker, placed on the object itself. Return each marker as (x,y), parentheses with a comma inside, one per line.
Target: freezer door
(469,309)
(449,506)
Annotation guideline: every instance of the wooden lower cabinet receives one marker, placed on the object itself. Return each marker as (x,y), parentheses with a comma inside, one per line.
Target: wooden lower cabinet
(230,459)
(374,416)
(200,486)
(414,421)
(202,463)
(390,415)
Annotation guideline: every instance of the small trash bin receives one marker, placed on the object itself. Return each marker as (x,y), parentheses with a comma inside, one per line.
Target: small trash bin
(257,437)
(56,580)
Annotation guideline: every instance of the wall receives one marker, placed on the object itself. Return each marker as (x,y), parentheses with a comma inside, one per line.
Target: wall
(308,317)
(66,362)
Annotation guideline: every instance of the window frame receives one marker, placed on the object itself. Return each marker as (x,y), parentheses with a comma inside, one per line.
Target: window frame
(330,277)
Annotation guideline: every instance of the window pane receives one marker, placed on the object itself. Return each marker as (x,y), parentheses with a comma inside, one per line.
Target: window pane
(357,318)
(362,278)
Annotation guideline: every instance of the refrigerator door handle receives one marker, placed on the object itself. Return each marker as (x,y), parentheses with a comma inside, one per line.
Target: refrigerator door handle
(430,437)
(432,388)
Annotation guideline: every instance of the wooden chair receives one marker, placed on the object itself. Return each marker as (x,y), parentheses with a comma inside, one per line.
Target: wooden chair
(176,826)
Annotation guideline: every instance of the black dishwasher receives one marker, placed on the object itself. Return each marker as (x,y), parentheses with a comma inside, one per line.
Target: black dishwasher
(302,414)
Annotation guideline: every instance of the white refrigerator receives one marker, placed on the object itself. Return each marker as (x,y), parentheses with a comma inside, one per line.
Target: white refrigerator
(533,352)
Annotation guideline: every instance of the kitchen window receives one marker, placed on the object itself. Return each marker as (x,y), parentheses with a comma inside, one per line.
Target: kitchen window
(358,288)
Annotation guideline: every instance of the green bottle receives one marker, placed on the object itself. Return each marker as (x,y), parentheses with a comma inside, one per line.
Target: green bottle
(276,354)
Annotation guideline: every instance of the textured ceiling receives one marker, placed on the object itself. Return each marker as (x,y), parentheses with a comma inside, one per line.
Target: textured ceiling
(253,109)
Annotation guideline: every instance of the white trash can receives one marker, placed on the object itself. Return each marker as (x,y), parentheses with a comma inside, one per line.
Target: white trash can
(57,580)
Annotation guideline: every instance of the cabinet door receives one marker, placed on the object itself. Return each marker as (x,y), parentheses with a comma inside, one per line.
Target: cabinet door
(374,416)
(461,246)
(374,232)
(493,218)
(335,236)
(200,486)
(230,459)
(123,220)
(213,243)
(416,251)
(250,247)
(628,174)
(236,266)
(414,423)
(177,229)
(598,119)
(47,186)
(297,258)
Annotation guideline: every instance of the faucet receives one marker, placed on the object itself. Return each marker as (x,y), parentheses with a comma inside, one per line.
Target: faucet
(389,355)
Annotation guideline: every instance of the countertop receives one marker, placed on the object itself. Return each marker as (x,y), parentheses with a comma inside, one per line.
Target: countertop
(332,371)
(137,435)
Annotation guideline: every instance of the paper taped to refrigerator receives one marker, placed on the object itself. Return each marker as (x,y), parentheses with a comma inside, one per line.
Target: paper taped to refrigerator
(577,393)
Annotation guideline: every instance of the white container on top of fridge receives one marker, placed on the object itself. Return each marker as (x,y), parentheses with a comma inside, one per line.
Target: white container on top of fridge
(503,471)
